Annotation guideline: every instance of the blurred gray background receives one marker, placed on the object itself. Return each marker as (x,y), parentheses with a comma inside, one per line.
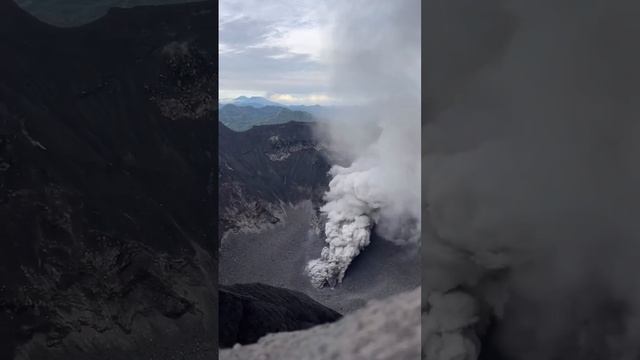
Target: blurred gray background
(67,13)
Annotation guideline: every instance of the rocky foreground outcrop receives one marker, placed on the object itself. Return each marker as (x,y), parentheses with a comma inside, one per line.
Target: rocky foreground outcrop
(108,242)
(250,311)
(383,330)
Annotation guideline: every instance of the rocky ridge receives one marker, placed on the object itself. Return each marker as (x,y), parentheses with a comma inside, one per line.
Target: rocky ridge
(383,330)
(266,169)
(108,246)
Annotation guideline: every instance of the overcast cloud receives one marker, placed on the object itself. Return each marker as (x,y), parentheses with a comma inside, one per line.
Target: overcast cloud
(274,49)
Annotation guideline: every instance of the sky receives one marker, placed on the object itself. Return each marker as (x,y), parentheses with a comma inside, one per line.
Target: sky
(276,49)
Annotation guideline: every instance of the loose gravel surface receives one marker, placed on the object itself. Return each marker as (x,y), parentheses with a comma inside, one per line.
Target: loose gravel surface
(278,256)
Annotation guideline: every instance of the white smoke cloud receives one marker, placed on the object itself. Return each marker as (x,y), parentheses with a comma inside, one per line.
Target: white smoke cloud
(375,58)
(530,179)
(447,332)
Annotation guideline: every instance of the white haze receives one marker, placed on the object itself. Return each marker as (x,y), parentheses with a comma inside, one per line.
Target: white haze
(531,179)
(375,58)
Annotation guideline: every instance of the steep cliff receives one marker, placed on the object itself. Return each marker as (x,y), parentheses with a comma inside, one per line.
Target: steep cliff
(264,169)
(108,246)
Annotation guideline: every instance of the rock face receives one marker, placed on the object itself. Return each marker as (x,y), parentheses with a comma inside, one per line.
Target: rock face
(263,169)
(271,182)
(383,330)
(108,248)
(250,311)
(262,172)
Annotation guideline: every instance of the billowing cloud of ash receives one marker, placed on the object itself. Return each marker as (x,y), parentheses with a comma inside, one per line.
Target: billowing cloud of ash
(531,240)
(375,57)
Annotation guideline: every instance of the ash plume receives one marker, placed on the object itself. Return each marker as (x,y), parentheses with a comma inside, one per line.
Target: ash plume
(530,179)
(375,58)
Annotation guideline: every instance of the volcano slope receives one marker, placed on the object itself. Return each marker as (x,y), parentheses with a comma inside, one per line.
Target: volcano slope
(107,235)
(272,179)
(264,170)
(251,311)
(387,329)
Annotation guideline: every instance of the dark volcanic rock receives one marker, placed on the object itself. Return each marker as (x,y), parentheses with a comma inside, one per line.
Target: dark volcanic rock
(265,167)
(108,246)
(387,329)
(250,311)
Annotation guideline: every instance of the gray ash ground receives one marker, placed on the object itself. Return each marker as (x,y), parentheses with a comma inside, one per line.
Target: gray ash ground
(277,257)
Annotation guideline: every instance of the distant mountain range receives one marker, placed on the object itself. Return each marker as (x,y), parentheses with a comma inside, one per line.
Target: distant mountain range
(242,113)
(242,118)
(253,101)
